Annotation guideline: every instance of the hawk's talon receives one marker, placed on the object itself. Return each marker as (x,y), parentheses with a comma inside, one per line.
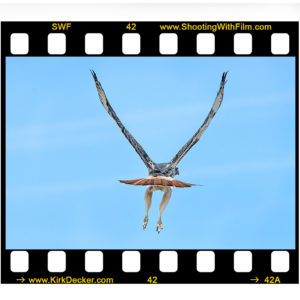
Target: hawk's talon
(145,223)
(159,227)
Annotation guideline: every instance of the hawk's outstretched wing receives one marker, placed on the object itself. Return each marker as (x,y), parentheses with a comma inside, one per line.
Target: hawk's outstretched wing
(196,137)
(137,147)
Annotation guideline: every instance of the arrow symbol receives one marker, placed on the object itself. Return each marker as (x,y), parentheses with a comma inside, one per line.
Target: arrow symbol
(256,279)
(22,279)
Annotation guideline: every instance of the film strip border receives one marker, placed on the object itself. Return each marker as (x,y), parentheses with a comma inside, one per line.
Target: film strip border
(150,266)
(149,38)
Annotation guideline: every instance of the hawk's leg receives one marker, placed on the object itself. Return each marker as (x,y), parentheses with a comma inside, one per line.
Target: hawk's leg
(162,206)
(148,201)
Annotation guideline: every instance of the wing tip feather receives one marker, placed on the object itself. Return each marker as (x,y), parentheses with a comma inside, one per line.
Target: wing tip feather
(94,75)
(224,75)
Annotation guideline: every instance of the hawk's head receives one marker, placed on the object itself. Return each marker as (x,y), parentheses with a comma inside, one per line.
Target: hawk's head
(164,169)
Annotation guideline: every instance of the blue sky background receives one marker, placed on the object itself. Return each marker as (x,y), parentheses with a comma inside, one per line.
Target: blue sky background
(65,154)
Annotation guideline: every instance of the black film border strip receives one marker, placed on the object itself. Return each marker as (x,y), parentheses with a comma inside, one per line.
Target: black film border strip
(149,267)
(149,32)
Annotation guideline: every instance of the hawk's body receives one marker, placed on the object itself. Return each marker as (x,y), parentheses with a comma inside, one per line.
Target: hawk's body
(160,176)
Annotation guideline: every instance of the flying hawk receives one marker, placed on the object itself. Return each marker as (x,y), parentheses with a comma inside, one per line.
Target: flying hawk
(161,176)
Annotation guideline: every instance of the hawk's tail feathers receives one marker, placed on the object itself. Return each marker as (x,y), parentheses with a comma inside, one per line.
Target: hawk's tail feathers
(157,181)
